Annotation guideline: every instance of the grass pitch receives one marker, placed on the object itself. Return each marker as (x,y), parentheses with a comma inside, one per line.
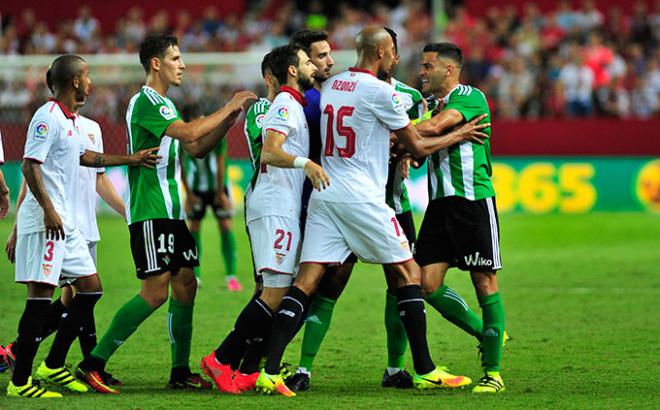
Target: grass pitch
(581,293)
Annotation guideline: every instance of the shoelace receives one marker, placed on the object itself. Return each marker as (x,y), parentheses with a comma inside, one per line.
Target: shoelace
(489,382)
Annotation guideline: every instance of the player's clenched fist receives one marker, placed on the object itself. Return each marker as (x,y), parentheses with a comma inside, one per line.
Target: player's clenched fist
(317,175)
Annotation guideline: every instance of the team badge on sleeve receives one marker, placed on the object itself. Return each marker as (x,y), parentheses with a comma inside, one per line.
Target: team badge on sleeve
(260,120)
(396,100)
(166,112)
(40,131)
(283,113)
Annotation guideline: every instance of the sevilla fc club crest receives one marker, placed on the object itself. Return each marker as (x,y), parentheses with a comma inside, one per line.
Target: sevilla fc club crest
(46,268)
(279,257)
(405,246)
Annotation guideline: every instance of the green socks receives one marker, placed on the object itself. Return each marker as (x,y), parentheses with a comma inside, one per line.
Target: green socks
(126,321)
(198,241)
(316,326)
(396,333)
(453,308)
(493,312)
(179,327)
(228,248)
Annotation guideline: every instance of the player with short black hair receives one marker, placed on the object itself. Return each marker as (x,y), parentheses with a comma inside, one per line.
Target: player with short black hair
(273,213)
(157,46)
(163,249)
(460,227)
(47,227)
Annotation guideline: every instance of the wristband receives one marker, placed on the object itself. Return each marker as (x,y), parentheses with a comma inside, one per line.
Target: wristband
(300,162)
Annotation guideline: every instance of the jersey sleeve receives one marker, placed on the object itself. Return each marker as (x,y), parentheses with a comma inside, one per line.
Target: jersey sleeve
(469,105)
(254,121)
(155,118)
(388,107)
(280,118)
(42,132)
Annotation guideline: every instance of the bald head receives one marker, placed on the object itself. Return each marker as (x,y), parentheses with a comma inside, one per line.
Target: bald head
(376,51)
(370,39)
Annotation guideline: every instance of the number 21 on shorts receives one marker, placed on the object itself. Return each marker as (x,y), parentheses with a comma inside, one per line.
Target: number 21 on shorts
(281,234)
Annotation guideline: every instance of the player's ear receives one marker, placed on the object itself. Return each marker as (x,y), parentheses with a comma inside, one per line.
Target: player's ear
(380,51)
(293,71)
(76,82)
(155,64)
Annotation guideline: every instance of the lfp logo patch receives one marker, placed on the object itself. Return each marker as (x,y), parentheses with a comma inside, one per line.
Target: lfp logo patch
(40,131)
(166,112)
(283,113)
(260,120)
(396,100)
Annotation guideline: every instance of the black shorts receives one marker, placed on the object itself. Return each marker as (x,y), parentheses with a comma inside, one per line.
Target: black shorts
(460,232)
(208,200)
(162,245)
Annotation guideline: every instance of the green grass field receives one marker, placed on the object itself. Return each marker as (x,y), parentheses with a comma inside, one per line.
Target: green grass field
(582,297)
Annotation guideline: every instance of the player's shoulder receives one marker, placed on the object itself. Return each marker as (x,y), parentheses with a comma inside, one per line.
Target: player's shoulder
(464,90)
(400,86)
(259,107)
(49,114)
(149,96)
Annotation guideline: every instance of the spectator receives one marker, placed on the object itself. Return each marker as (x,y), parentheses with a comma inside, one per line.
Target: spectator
(644,99)
(85,26)
(577,79)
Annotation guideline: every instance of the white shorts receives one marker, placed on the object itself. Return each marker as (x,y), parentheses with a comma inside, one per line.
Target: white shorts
(368,229)
(52,262)
(91,245)
(275,244)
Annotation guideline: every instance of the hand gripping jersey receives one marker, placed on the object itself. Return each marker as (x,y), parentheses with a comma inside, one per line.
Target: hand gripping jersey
(90,132)
(154,193)
(463,169)
(277,190)
(53,140)
(358,113)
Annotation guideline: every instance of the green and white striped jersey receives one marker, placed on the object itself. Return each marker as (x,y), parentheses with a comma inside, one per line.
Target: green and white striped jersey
(254,121)
(202,173)
(396,193)
(463,169)
(154,193)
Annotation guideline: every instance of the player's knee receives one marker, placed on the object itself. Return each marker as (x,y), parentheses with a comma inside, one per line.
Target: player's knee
(156,298)
(485,283)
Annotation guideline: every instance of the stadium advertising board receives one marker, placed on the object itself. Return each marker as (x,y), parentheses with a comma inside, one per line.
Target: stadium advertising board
(533,185)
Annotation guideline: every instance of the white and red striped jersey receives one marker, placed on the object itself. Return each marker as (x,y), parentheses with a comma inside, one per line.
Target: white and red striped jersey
(359,111)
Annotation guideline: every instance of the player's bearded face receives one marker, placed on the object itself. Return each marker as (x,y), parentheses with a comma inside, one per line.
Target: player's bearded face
(84,85)
(388,63)
(305,81)
(322,60)
(306,71)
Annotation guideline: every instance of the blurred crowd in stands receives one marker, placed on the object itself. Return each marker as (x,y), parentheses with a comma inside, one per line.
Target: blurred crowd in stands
(574,61)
